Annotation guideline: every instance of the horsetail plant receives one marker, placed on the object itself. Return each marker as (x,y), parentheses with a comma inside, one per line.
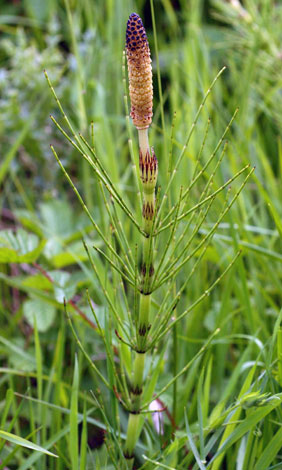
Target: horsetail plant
(172,235)
(141,96)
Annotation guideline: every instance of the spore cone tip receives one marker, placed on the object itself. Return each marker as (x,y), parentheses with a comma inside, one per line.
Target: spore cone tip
(139,72)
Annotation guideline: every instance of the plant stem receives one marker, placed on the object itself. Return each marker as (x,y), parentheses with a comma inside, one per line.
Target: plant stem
(131,438)
(143,141)
(148,175)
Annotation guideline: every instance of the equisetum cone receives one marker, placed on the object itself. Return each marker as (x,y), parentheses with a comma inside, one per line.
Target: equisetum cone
(139,72)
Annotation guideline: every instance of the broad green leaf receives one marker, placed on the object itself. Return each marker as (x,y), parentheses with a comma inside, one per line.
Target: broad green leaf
(57,217)
(18,282)
(38,281)
(64,287)
(19,246)
(29,221)
(24,442)
(52,247)
(69,255)
(42,311)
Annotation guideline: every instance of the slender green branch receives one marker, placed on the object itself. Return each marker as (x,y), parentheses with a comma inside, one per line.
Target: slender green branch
(164,316)
(192,209)
(206,165)
(168,243)
(116,224)
(204,192)
(169,167)
(185,368)
(98,168)
(111,305)
(197,163)
(200,299)
(127,249)
(96,227)
(213,173)
(158,318)
(187,142)
(169,272)
(174,271)
(129,280)
(88,358)
(109,352)
(60,106)
(96,165)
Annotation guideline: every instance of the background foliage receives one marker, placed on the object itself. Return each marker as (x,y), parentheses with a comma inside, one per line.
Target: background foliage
(42,259)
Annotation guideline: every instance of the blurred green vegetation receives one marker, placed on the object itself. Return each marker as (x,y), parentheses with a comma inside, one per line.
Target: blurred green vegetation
(42,258)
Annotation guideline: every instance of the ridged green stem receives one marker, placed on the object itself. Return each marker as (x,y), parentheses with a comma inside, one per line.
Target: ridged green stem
(131,438)
(143,324)
(138,370)
(144,311)
(149,198)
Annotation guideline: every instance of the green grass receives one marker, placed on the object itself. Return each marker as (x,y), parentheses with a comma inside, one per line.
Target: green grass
(224,410)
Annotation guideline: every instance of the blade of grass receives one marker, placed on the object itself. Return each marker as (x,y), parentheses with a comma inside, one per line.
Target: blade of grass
(20,441)
(73,442)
